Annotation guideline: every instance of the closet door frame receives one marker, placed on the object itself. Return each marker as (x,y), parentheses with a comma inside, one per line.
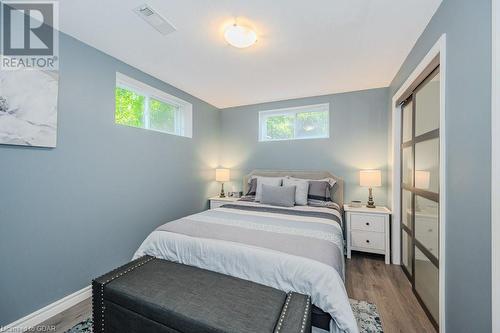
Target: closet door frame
(429,195)
(437,51)
(406,144)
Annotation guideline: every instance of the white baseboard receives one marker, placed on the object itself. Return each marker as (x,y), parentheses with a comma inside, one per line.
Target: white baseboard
(39,316)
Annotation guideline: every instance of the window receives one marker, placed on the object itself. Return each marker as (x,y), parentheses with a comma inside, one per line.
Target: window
(142,106)
(304,122)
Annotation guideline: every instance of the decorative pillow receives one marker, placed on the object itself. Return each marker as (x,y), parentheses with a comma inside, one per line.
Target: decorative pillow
(274,181)
(319,190)
(278,195)
(330,181)
(252,186)
(302,188)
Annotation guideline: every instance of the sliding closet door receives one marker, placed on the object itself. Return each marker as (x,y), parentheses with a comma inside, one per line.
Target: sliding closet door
(420,192)
(406,184)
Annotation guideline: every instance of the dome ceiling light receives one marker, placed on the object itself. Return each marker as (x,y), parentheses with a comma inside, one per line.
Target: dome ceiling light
(240,36)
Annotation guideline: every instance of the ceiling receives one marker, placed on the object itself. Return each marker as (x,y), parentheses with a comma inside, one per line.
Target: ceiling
(305,48)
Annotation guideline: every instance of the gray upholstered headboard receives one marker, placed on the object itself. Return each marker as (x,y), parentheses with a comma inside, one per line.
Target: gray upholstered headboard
(337,193)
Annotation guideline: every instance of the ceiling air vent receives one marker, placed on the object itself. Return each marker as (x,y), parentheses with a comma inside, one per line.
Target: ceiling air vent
(154,19)
(145,11)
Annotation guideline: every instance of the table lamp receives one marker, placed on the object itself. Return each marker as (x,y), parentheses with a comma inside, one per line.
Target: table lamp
(222,175)
(422,179)
(370,178)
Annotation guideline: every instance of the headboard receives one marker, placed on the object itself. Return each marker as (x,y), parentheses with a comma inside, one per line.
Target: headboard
(338,189)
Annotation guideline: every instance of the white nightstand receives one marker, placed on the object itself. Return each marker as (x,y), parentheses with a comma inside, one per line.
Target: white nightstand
(216,202)
(368,230)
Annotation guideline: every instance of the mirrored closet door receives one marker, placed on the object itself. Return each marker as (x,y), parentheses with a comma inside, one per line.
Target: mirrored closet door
(420,192)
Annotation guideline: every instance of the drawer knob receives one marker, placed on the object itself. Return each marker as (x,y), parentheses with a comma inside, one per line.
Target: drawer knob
(367,223)
(367,241)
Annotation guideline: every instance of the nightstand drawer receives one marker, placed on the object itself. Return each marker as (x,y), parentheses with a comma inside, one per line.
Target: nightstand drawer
(368,240)
(366,222)
(216,204)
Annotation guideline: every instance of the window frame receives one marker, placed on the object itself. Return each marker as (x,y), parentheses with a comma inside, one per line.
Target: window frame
(183,118)
(265,114)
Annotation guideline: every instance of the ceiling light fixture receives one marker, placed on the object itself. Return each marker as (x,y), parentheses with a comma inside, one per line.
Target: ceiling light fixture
(240,36)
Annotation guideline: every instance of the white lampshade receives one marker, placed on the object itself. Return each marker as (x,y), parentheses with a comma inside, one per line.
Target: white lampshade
(222,175)
(422,179)
(240,36)
(370,178)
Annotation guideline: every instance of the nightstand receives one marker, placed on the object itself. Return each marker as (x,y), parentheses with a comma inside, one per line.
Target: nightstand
(216,202)
(367,230)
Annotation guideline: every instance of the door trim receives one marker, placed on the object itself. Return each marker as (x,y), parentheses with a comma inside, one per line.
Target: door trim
(438,50)
(495,167)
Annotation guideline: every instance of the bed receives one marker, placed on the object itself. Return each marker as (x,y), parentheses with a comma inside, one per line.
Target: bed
(296,248)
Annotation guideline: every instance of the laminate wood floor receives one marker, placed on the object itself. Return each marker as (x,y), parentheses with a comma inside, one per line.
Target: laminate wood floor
(368,278)
(67,319)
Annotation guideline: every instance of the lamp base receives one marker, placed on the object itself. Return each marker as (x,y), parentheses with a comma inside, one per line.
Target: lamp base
(370,203)
(222,194)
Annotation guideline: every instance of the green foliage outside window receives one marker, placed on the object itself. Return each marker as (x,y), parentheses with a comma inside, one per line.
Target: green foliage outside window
(280,127)
(299,125)
(312,124)
(162,116)
(131,111)
(129,108)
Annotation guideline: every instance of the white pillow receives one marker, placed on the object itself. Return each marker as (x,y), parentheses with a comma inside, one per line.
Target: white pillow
(273,181)
(301,189)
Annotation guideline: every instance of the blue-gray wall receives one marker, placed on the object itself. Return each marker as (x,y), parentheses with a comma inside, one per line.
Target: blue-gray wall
(358,140)
(71,213)
(467,25)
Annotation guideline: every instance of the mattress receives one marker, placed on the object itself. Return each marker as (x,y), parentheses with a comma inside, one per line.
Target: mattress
(297,249)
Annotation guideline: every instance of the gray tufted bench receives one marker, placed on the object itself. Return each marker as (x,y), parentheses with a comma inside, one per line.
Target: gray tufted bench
(157,296)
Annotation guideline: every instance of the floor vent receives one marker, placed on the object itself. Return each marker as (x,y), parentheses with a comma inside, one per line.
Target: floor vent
(154,19)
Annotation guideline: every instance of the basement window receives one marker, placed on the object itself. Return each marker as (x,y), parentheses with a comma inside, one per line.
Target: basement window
(303,122)
(140,105)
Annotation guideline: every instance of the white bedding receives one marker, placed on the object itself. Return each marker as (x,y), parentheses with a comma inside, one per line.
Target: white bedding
(262,265)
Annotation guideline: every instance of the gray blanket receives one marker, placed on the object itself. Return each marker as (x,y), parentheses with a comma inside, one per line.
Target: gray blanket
(314,235)
(306,213)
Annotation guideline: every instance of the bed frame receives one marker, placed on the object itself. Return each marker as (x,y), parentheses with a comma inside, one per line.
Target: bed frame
(338,189)
(319,318)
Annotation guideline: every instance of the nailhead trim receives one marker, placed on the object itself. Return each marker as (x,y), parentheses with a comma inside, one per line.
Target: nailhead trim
(308,302)
(283,312)
(113,278)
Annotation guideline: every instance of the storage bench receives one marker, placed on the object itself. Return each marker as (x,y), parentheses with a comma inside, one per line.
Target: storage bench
(151,295)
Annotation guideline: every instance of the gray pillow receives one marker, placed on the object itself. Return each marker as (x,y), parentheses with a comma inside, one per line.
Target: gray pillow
(301,190)
(319,190)
(278,195)
(252,188)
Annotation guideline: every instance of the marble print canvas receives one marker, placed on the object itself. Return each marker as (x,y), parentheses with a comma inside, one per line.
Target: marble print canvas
(28,107)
